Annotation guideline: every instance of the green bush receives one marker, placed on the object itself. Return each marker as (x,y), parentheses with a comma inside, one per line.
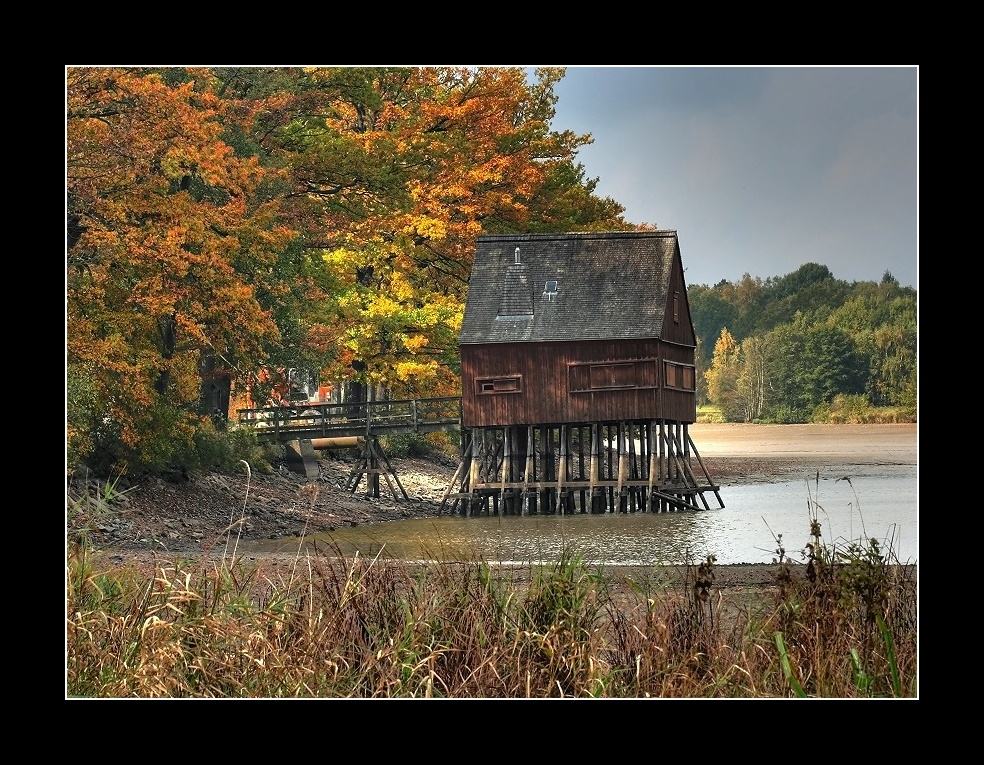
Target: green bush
(223,450)
(444,444)
(855,409)
(710,413)
(788,415)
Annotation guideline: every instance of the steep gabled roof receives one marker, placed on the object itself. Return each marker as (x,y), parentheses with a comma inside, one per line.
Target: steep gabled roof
(591,286)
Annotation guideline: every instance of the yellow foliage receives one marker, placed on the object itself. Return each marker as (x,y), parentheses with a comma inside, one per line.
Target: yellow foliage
(422,371)
(414,343)
(381,306)
(428,228)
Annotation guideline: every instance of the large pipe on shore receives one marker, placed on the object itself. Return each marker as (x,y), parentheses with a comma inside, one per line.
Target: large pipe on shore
(340,442)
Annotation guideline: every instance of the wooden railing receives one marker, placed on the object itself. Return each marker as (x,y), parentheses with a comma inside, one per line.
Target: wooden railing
(307,421)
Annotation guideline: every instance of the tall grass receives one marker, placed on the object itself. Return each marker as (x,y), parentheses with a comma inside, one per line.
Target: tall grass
(842,626)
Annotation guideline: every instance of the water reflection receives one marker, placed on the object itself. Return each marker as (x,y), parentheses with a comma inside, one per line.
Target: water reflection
(877,501)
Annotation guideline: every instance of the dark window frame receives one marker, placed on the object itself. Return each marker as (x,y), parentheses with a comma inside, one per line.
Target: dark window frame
(679,376)
(488,386)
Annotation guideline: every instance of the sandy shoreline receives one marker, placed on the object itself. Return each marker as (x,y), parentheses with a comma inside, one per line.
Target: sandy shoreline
(857,444)
(738,453)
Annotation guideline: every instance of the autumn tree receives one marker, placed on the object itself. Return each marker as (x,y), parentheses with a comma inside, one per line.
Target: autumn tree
(394,173)
(160,218)
(722,377)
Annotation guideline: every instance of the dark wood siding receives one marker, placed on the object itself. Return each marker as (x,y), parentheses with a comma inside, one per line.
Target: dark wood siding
(576,382)
(678,326)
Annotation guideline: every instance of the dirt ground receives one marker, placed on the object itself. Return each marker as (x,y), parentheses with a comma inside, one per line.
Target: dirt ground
(155,521)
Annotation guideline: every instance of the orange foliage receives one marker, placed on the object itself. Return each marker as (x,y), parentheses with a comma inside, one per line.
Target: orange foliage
(158,219)
(401,169)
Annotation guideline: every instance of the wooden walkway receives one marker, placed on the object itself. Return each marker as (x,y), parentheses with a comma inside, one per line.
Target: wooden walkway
(304,428)
(368,419)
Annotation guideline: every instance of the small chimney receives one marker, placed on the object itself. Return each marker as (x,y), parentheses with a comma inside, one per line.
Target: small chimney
(517,256)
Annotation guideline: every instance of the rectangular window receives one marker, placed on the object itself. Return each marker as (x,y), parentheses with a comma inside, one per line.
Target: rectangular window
(676,307)
(612,376)
(671,375)
(505,384)
(680,376)
(689,378)
(583,378)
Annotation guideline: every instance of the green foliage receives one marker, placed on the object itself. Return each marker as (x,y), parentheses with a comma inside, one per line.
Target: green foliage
(804,339)
(441,443)
(856,410)
(710,312)
(803,278)
(561,597)
(787,667)
(223,450)
(89,502)
(82,415)
(819,362)
(843,408)
(788,415)
(709,413)
(557,623)
(171,449)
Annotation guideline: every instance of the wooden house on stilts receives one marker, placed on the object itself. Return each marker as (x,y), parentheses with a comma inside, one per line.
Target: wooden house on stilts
(578,378)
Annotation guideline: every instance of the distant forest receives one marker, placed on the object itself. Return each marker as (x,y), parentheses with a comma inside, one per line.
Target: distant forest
(806,347)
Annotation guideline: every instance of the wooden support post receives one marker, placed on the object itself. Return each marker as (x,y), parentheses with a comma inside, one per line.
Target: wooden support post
(633,469)
(545,474)
(529,503)
(389,471)
(477,474)
(653,466)
(664,471)
(457,484)
(505,470)
(661,478)
(703,468)
(562,468)
(593,465)
(581,475)
(618,499)
(684,473)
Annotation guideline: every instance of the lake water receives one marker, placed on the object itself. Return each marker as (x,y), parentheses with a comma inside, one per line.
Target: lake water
(878,501)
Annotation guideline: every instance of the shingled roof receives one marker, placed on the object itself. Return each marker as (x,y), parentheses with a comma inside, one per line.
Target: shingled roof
(587,286)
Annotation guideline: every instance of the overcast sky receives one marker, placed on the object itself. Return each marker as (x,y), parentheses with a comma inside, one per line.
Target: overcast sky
(759,170)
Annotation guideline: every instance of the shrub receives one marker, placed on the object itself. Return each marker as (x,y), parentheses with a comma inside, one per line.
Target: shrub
(443,444)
